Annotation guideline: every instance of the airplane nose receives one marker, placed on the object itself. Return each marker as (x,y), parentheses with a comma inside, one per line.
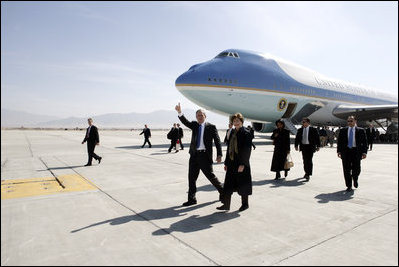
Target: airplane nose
(192,76)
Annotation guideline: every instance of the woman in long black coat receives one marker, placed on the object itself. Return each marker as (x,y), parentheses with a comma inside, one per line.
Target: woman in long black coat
(281,141)
(238,170)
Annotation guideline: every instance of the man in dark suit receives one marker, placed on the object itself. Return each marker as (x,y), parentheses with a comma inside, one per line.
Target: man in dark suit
(352,148)
(93,140)
(181,134)
(147,134)
(308,140)
(370,133)
(173,135)
(201,153)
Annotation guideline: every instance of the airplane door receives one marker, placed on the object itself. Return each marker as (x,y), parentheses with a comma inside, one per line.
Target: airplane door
(289,111)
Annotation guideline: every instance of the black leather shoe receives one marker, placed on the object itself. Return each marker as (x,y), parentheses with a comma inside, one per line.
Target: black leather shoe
(349,189)
(223,207)
(306,177)
(88,164)
(243,207)
(190,202)
(355,183)
(99,160)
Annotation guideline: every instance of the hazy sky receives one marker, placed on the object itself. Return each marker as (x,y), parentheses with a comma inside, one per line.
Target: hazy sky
(91,58)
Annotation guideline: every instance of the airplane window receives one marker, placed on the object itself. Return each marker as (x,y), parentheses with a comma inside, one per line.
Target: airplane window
(223,54)
(235,54)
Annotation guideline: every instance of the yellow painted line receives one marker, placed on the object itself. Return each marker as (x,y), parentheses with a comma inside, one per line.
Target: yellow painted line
(44,186)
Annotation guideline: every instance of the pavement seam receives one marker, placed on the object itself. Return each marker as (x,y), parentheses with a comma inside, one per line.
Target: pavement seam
(146,219)
(29,145)
(340,234)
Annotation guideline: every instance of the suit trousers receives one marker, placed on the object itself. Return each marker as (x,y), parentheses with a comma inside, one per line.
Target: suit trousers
(200,161)
(146,140)
(351,165)
(90,150)
(307,155)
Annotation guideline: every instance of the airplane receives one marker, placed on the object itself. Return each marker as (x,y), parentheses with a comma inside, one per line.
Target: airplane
(265,88)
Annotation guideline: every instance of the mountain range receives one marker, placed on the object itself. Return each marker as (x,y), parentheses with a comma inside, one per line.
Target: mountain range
(160,119)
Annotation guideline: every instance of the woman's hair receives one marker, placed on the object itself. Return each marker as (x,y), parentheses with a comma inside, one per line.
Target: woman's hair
(237,116)
(280,121)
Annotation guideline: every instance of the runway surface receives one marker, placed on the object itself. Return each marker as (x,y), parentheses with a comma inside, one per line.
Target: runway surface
(127,210)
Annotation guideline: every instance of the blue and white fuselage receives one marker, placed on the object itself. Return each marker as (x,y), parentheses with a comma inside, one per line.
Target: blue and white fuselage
(265,88)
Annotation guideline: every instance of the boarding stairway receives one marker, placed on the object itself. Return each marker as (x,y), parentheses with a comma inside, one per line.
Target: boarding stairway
(290,126)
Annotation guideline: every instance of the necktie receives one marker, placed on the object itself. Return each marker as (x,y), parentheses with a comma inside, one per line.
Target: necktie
(199,136)
(88,132)
(350,141)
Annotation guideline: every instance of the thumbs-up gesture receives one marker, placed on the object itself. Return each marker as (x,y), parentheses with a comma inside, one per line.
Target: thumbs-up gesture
(178,108)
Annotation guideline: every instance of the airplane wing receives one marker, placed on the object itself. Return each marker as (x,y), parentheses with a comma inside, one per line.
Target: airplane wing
(365,113)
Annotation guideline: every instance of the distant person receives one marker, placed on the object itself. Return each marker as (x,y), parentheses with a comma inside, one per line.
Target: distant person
(238,170)
(203,133)
(228,131)
(308,141)
(370,133)
(330,136)
(281,142)
(92,139)
(173,135)
(252,131)
(181,134)
(147,134)
(323,136)
(352,148)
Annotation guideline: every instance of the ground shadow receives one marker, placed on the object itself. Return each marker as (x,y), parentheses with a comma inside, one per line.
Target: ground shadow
(197,223)
(336,196)
(146,146)
(282,182)
(61,168)
(148,215)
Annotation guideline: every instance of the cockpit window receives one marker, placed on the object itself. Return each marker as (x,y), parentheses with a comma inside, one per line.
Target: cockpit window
(228,54)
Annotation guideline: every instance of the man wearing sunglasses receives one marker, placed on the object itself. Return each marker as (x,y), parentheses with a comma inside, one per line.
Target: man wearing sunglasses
(308,140)
(352,148)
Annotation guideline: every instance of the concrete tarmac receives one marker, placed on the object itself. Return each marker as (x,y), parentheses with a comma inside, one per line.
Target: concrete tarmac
(127,210)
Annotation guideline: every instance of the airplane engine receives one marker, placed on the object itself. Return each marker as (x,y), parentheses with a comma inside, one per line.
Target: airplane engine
(263,127)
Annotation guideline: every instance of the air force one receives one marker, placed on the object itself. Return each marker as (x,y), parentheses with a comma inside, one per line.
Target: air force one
(265,88)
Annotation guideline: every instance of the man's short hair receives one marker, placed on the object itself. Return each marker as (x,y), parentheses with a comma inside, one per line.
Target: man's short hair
(200,110)
(306,119)
(90,119)
(352,117)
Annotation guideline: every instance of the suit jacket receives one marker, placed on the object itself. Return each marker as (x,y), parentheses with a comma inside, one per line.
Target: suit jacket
(146,132)
(313,136)
(210,133)
(361,140)
(370,133)
(93,135)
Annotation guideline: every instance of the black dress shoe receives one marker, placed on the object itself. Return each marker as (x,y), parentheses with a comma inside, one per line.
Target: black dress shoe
(306,177)
(223,207)
(190,202)
(99,160)
(355,184)
(243,207)
(88,164)
(348,189)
